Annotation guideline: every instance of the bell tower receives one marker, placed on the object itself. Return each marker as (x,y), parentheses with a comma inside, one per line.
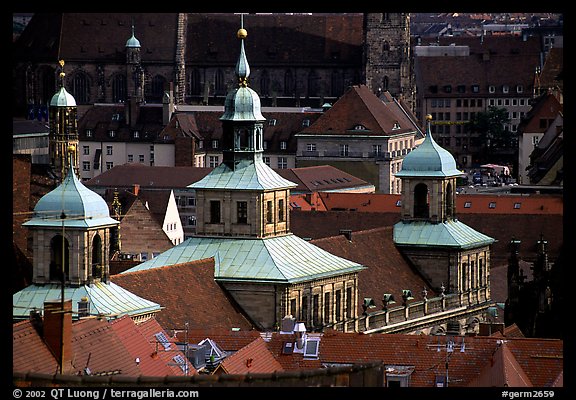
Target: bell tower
(63,136)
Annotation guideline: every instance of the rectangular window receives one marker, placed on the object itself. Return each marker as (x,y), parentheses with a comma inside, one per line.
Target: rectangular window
(517,206)
(492,204)
(109,150)
(311,348)
(281,210)
(292,306)
(338,305)
(130,158)
(316,310)
(86,166)
(213,161)
(327,318)
(109,165)
(214,212)
(266,159)
(141,158)
(269,212)
(343,150)
(349,302)
(304,309)
(214,144)
(86,150)
(467,204)
(283,145)
(282,163)
(242,212)
(311,147)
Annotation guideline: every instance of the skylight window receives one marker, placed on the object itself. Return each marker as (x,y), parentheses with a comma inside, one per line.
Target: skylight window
(181,362)
(311,348)
(398,203)
(468,204)
(492,204)
(161,338)
(517,205)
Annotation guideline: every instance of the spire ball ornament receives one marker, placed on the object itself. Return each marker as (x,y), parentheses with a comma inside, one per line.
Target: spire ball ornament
(428,117)
(242,33)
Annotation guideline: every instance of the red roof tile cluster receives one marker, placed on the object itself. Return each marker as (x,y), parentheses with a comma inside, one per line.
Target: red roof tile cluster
(99,347)
(187,293)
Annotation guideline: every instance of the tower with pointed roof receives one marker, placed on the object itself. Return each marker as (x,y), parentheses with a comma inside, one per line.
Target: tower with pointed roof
(449,253)
(63,129)
(243,223)
(134,79)
(71,233)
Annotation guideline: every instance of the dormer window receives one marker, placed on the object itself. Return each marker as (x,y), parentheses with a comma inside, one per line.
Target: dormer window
(492,89)
(505,89)
(272,122)
(88,132)
(519,89)
(306,122)
(112,133)
(136,134)
(396,125)
(116,117)
(283,145)
(359,127)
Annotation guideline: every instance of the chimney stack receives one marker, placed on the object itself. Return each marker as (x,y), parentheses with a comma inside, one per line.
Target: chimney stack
(58,331)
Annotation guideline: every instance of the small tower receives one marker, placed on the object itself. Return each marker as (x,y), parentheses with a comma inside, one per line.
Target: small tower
(71,250)
(444,249)
(134,79)
(242,196)
(63,130)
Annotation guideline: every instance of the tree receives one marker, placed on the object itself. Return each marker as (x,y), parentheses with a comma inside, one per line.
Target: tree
(490,127)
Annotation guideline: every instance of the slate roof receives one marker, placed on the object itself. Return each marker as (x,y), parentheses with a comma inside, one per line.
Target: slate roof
(281,259)
(187,293)
(359,106)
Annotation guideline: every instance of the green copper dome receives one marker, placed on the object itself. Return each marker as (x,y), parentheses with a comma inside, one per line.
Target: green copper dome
(63,99)
(429,160)
(133,42)
(73,205)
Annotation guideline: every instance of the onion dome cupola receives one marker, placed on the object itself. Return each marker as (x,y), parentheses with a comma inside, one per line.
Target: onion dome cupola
(133,49)
(63,129)
(242,121)
(429,159)
(429,182)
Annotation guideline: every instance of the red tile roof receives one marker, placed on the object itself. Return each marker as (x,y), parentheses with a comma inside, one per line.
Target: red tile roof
(359,106)
(227,339)
(252,358)
(388,270)
(188,294)
(29,353)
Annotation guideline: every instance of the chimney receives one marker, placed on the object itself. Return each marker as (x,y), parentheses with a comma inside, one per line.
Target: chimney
(347,233)
(58,331)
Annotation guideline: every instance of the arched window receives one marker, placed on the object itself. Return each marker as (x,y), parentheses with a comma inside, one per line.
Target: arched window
(288,83)
(119,88)
(59,255)
(265,84)
(80,87)
(194,87)
(421,201)
(385,48)
(336,84)
(155,91)
(219,85)
(313,84)
(97,265)
(449,201)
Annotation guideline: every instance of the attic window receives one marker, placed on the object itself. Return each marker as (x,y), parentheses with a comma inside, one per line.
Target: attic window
(492,89)
(398,203)
(306,122)
(475,88)
(311,348)
(359,128)
(288,348)
(161,338)
(519,89)
(505,89)
(492,204)
(272,122)
(181,362)
(112,133)
(88,132)
(468,204)
(517,206)
(396,125)
(136,134)
(115,117)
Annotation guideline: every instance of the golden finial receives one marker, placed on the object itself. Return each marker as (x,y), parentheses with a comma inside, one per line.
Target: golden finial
(428,117)
(71,148)
(61,62)
(242,33)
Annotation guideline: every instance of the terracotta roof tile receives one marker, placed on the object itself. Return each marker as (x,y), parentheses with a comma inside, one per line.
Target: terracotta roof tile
(29,353)
(188,294)
(252,358)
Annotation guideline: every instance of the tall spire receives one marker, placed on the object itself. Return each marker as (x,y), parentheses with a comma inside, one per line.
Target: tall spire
(242,67)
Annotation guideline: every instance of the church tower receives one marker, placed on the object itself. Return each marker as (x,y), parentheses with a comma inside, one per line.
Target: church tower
(134,79)
(447,252)
(387,58)
(63,138)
